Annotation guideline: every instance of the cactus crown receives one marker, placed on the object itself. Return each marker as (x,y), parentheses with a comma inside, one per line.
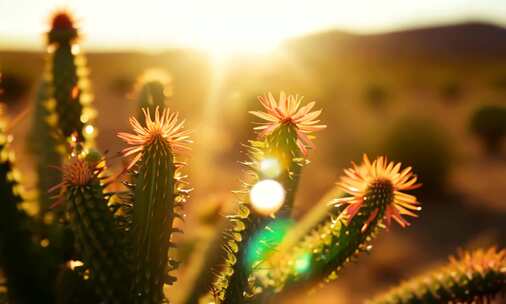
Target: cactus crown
(378,184)
(79,171)
(287,111)
(164,127)
(62,28)
(62,21)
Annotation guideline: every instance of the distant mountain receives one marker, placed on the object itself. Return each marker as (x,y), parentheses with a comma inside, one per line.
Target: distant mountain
(458,41)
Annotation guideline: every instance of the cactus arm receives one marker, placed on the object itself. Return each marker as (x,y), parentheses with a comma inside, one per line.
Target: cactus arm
(102,244)
(246,223)
(152,221)
(322,251)
(283,142)
(475,277)
(373,192)
(158,193)
(67,75)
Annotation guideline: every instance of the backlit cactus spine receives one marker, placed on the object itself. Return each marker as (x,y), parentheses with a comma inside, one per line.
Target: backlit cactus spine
(472,277)
(99,239)
(21,260)
(373,196)
(277,159)
(67,75)
(158,192)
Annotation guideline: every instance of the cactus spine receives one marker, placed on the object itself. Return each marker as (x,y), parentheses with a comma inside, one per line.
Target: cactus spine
(158,194)
(473,277)
(284,141)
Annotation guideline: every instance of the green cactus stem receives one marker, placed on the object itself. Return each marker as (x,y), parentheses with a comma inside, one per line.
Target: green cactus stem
(103,245)
(158,193)
(373,197)
(278,156)
(472,277)
(22,260)
(66,73)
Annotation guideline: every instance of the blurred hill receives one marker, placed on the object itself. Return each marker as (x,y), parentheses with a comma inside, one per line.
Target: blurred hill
(466,40)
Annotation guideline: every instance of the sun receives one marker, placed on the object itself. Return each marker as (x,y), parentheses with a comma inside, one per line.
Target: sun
(224,42)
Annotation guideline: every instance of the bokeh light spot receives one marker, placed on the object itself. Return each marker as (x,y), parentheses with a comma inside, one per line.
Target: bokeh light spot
(267,196)
(270,167)
(89,130)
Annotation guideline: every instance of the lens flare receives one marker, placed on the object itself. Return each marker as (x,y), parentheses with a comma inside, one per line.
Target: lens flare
(89,130)
(303,263)
(267,196)
(270,167)
(265,241)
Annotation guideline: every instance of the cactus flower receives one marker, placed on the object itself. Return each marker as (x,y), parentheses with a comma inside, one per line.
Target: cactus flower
(387,179)
(165,125)
(288,110)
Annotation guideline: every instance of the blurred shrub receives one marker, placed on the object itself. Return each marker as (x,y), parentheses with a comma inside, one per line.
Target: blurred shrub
(13,87)
(422,144)
(451,91)
(376,96)
(500,83)
(122,85)
(489,124)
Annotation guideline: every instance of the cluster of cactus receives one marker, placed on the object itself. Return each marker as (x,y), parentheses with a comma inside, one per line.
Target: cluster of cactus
(96,242)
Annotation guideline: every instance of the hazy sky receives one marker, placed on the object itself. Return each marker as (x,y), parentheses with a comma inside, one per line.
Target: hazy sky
(229,23)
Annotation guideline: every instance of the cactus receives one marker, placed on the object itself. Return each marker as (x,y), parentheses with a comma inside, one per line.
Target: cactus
(373,196)
(28,281)
(62,110)
(471,277)
(283,145)
(153,89)
(45,147)
(158,193)
(66,73)
(102,243)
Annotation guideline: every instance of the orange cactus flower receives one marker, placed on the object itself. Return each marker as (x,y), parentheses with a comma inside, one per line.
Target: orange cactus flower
(359,181)
(288,110)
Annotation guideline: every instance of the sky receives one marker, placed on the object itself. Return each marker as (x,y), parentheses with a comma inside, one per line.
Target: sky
(228,24)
